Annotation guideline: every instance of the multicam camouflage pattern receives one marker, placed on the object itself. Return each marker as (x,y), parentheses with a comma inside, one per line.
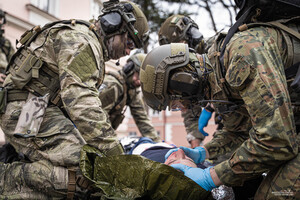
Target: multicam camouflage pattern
(120,96)
(6,52)
(31,116)
(190,120)
(75,54)
(254,60)
(46,181)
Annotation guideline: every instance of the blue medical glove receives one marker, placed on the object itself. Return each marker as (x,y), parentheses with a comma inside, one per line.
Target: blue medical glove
(170,152)
(197,154)
(203,120)
(201,176)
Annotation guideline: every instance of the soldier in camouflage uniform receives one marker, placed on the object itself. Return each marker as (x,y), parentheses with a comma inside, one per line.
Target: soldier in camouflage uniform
(251,92)
(119,90)
(63,62)
(6,49)
(180,28)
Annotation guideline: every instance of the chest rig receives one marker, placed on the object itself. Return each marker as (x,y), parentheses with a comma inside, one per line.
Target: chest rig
(29,73)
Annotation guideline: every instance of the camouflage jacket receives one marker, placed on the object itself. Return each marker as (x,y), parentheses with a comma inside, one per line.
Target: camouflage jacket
(74,53)
(115,96)
(190,120)
(260,128)
(6,52)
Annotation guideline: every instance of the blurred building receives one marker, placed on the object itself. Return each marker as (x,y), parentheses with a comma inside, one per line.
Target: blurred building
(25,14)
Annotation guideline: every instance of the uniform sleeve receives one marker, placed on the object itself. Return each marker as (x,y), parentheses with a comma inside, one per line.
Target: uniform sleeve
(140,117)
(190,120)
(110,92)
(255,69)
(79,73)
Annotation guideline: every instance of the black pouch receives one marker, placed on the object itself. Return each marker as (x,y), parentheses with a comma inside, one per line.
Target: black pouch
(3,99)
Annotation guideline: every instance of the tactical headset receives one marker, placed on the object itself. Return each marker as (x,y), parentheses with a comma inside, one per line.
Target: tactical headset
(117,19)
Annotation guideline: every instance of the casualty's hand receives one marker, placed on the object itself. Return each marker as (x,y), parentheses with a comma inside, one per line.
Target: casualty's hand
(201,176)
(197,154)
(203,121)
(2,77)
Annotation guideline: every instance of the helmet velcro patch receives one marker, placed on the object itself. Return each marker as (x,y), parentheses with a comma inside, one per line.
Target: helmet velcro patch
(146,78)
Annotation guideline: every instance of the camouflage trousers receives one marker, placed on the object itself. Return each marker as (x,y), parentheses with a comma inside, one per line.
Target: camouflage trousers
(56,147)
(281,183)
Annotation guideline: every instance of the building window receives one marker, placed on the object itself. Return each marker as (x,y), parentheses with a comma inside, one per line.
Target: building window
(132,133)
(49,6)
(96,7)
(158,133)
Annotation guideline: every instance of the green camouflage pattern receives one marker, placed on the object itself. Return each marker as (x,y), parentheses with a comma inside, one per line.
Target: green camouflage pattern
(262,130)
(190,120)
(6,52)
(37,180)
(136,177)
(81,120)
(113,103)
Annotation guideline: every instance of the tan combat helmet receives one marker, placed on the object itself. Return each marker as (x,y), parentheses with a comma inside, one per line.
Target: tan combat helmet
(170,72)
(181,29)
(119,17)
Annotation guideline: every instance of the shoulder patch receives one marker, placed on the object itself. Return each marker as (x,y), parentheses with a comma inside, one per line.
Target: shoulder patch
(238,71)
(83,63)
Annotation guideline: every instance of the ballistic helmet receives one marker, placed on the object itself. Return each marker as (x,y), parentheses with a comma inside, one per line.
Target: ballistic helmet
(170,72)
(120,17)
(179,28)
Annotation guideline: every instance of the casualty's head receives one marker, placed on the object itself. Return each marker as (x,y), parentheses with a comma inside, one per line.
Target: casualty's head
(131,70)
(179,157)
(123,27)
(171,76)
(181,29)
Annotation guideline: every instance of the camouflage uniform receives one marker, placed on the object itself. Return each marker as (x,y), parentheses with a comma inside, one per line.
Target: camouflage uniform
(116,95)
(74,55)
(261,131)
(6,52)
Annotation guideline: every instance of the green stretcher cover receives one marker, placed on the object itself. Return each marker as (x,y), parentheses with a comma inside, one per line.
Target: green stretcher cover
(136,177)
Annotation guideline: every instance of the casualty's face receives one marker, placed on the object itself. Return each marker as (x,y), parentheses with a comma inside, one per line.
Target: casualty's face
(179,157)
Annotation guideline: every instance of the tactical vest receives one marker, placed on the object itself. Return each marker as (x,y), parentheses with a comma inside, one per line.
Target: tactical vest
(116,114)
(290,29)
(25,67)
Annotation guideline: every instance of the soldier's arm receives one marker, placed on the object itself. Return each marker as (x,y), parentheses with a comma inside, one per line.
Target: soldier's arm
(141,118)
(190,120)
(260,80)
(109,93)
(79,73)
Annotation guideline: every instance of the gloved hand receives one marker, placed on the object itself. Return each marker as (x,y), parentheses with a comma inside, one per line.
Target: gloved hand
(201,176)
(203,120)
(197,154)
(170,152)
